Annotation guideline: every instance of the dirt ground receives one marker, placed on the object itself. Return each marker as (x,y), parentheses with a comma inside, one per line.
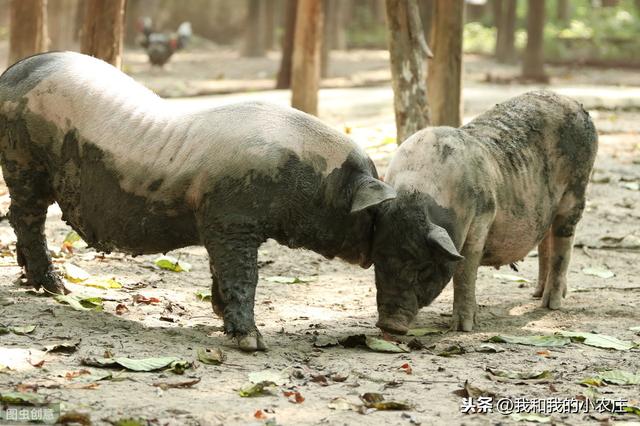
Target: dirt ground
(337,302)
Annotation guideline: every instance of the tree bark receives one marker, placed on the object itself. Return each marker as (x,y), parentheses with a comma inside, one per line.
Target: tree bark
(506,34)
(444,81)
(256,13)
(305,72)
(329,26)
(28,29)
(284,74)
(103,30)
(426,16)
(269,23)
(533,62)
(61,23)
(407,53)
(562,10)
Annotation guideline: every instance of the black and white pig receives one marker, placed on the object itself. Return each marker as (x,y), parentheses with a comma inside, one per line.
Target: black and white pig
(484,194)
(132,172)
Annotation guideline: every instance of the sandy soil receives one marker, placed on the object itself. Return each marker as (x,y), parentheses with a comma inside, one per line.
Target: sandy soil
(338,302)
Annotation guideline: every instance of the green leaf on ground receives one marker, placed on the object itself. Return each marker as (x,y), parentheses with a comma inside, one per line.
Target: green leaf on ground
(256,389)
(211,356)
(22,398)
(144,364)
(613,377)
(525,375)
(130,422)
(203,296)
(381,345)
(530,417)
(633,409)
(489,348)
(598,340)
(425,331)
(511,277)
(79,302)
(635,329)
(24,329)
(273,376)
(598,272)
(75,274)
(377,401)
(102,283)
(170,263)
(324,341)
(4,330)
(547,341)
(290,280)
(452,350)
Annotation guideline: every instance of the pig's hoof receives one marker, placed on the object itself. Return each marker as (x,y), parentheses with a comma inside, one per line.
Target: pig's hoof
(552,301)
(251,342)
(537,294)
(50,283)
(393,326)
(462,322)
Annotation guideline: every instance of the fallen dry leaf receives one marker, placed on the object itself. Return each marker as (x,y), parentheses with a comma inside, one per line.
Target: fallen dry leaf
(294,397)
(406,368)
(139,299)
(174,385)
(121,308)
(260,415)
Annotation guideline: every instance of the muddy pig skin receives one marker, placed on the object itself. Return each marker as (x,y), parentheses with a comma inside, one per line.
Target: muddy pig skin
(134,173)
(485,194)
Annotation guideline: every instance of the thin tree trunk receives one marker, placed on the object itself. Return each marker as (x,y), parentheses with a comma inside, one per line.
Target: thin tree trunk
(426,16)
(562,10)
(284,74)
(62,14)
(305,72)
(533,62)
(444,81)
(330,18)
(407,53)
(506,34)
(269,23)
(28,28)
(254,33)
(103,30)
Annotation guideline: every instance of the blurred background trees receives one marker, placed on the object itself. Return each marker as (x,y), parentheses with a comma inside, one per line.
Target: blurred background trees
(304,39)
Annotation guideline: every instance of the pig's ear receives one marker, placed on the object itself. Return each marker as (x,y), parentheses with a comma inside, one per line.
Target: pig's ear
(371,192)
(439,239)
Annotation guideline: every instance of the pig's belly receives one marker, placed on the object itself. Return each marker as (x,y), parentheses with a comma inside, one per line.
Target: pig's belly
(511,238)
(110,219)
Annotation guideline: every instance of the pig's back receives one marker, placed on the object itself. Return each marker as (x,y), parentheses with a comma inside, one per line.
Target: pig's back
(150,141)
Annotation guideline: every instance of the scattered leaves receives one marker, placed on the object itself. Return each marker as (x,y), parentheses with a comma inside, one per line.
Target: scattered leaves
(613,377)
(79,302)
(598,272)
(452,350)
(66,347)
(144,364)
(22,330)
(342,404)
(256,389)
(381,345)
(139,299)
(170,263)
(324,341)
(101,283)
(517,375)
(489,348)
(377,401)
(549,341)
(294,397)
(177,385)
(22,398)
(511,277)
(121,309)
(204,297)
(598,340)
(530,417)
(260,415)
(75,274)
(211,356)
(72,241)
(470,391)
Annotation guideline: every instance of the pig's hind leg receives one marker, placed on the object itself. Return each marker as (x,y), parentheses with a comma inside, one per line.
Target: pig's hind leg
(31,194)
(544,251)
(562,235)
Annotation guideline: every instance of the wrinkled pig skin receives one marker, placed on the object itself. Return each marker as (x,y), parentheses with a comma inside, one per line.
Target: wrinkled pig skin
(484,194)
(134,173)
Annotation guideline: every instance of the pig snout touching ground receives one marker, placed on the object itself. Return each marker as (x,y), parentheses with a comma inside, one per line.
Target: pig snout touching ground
(134,173)
(485,194)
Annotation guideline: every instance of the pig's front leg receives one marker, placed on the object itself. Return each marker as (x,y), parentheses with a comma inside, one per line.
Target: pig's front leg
(233,254)
(464,281)
(544,253)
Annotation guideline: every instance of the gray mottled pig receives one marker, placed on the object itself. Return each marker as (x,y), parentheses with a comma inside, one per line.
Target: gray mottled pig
(131,172)
(484,194)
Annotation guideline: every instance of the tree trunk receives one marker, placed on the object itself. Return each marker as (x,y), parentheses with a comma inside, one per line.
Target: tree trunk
(475,11)
(254,34)
(28,29)
(426,16)
(103,30)
(610,3)
(305,72)
(284,74)
(533,62)
(562,10)
(444,80)
(506,34)
(269,23)
(407,53)
(61,23)
(330,18)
